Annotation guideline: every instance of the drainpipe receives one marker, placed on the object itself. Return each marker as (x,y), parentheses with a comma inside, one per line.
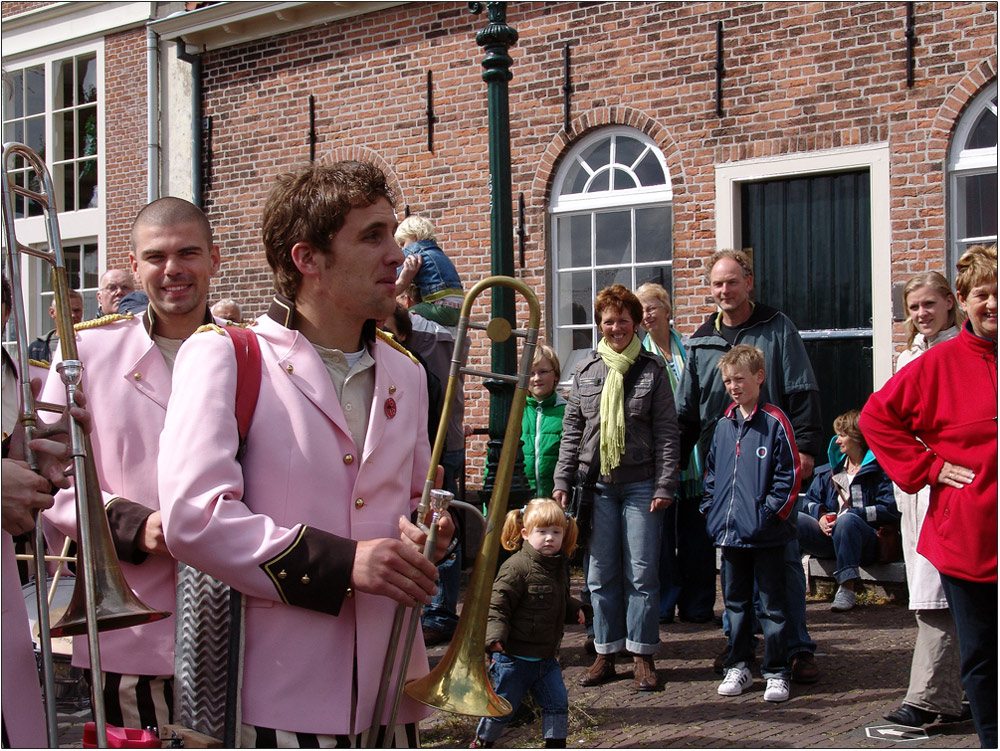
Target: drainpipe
(196,125)
(152,116)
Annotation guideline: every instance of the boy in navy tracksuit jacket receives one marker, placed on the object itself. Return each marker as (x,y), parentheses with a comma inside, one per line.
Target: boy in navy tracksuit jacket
(751,485)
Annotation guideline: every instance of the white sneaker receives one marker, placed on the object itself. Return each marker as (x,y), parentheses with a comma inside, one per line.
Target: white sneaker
(843,601)
(736,680)
(777,690)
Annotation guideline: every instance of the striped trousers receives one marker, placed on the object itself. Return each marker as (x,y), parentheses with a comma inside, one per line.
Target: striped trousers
(138,701)
(406,736)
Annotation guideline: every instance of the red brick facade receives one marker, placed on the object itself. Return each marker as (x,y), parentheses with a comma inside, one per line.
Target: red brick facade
(125,138)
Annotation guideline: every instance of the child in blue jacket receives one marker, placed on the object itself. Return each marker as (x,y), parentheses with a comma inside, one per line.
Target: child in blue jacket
(751,485)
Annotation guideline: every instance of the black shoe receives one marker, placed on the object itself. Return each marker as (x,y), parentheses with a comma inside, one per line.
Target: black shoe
(804,668)
(911,716)
(696,618)
(964,716)
(433,636)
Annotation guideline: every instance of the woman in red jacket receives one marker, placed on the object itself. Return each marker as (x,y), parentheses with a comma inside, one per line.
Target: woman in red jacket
(935,423)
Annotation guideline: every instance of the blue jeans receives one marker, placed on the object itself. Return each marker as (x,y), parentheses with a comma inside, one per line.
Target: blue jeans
(764,567)
(854,543)
(442,613)
(670,588)
(623,575)
(437,273)
(796,634)
(974,606)
(512,678)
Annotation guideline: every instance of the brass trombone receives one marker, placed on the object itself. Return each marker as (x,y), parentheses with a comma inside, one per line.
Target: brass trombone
(459,683)
(102,600)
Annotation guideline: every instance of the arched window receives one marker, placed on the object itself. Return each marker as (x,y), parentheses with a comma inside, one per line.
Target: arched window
(611,222)
(972,176)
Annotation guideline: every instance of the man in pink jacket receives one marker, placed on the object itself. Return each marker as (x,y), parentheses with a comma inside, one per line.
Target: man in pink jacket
(312,525)
(127,363)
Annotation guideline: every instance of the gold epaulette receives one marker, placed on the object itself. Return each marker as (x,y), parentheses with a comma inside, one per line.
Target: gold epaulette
(210,327)
(388,338)
(103,321)
(40,363)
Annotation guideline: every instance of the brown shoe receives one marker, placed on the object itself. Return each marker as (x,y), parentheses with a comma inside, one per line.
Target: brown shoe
(804,669)
(645,673)
(602,671)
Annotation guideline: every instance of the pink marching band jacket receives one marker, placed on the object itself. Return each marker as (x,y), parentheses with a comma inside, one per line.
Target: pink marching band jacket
(281,527)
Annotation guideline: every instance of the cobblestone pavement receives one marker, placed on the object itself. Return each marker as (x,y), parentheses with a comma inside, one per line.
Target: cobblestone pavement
(864,659)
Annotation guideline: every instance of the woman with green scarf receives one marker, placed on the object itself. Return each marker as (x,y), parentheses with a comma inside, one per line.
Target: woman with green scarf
(687,555)
(621,421)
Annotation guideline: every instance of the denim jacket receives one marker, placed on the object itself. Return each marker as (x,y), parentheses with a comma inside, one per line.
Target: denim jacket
(437,277)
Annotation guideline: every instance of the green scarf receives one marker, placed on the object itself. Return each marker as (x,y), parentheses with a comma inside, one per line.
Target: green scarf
(613,401)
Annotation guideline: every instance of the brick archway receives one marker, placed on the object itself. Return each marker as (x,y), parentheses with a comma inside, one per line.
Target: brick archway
(359,153)
(965,91)
(600,117)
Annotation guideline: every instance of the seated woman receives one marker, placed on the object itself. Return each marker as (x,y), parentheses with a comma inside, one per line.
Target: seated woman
(845,506)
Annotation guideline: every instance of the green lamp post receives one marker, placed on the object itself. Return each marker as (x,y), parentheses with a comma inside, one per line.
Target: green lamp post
(496,38)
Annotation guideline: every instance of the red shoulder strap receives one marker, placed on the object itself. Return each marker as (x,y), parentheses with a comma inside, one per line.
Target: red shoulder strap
(248,371)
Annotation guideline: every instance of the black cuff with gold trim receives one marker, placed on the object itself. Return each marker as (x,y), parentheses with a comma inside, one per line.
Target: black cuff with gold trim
(127,519)
(313,572)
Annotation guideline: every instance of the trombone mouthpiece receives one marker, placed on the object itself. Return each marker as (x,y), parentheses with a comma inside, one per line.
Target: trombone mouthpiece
(71,371)
(440,500)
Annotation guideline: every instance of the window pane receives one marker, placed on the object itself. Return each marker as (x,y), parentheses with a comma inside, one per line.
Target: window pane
(624,181)
(87,136)
(90,276)
(601,181)
(65,186)
(656,274)
(35,134)
(13,131)
(649,171)
(576,298)
(628,150)
(598,155)
(17,86)
(574,241)
(62,135)
(86,79)
(576,181)
(978,198)
(614,238)
(607,277)
(652,234)
(71,253)
(34,81)
(89,198)
(984,134)
(62,90)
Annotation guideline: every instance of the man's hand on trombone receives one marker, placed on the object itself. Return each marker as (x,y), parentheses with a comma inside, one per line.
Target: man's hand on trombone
(25,491)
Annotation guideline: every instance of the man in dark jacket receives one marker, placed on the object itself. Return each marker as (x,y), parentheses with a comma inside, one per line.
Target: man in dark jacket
(791,386)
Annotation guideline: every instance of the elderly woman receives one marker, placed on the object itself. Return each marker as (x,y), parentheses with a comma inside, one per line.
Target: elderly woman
(935,688)
(620,428)
(845,506)
(687,557)
(935,423)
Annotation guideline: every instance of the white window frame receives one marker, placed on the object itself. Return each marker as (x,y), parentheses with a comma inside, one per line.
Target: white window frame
(75,227)
(596,202)
(967,163)
(874,158)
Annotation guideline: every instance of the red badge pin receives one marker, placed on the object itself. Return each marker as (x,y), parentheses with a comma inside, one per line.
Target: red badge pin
(390,408)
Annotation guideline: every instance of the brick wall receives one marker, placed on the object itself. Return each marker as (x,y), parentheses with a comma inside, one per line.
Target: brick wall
(799,77)
(125,138)
(14,7)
